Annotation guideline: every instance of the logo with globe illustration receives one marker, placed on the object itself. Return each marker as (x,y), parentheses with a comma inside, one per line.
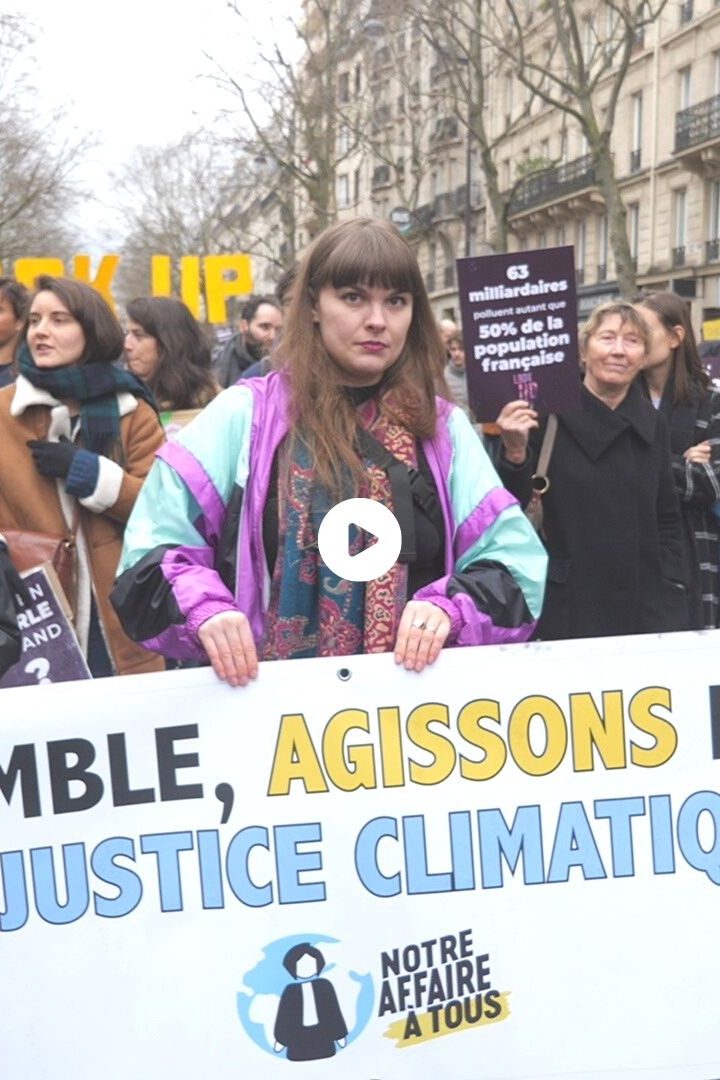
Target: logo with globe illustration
(302,1002)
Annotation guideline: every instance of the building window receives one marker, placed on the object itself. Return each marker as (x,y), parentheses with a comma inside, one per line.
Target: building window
(356,186)
(716,72)
(343,140)
(508,93)
(637,126)
(633,220)
(560,236)
(580,245)
(611,25)
(602,248)
(685,87)
(713,234)
(678,254)
(342,190)
(433,185)
(588,44)
(344,87)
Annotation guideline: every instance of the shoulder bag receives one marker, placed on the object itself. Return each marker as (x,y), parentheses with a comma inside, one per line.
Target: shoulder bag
(541,481)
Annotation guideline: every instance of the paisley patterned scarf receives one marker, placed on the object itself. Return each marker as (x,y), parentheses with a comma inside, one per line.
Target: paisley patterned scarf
(313,612)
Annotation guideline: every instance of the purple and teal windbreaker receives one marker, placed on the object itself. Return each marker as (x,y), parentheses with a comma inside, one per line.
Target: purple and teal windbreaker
(194,546)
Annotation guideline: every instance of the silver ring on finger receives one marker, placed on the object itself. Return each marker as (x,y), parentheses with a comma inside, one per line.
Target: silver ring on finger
(431,629)
(419,624)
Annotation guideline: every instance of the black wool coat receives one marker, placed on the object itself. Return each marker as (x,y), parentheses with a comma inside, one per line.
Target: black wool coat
(611,523)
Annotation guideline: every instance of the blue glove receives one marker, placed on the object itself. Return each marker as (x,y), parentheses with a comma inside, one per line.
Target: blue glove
(53,458)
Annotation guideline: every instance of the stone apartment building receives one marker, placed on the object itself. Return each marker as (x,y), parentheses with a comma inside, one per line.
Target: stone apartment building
(402,145)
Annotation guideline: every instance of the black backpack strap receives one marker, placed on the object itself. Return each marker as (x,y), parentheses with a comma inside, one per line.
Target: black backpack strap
(408,486)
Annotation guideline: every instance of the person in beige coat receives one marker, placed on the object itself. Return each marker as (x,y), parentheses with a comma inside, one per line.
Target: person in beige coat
(78,437)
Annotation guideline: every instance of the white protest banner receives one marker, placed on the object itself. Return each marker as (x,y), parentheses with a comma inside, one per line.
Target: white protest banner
(505,867)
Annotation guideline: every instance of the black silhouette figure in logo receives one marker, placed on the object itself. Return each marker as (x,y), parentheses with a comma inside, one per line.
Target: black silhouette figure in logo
(309,1021)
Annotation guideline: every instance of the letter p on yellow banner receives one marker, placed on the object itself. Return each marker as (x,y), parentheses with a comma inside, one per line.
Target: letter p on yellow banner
(225,275)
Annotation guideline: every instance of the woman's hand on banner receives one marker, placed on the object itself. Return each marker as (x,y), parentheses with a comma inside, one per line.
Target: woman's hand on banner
(423,631)
(229,643)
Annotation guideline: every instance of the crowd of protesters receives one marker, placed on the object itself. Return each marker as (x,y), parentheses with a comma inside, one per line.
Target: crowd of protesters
(341,385)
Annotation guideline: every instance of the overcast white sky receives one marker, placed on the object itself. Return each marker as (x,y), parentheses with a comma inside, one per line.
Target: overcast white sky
(133,74)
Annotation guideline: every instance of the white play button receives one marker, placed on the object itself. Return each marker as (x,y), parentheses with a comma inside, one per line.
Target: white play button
(374,518)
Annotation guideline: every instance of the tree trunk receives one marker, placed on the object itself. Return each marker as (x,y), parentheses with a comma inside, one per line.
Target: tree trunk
(615,208)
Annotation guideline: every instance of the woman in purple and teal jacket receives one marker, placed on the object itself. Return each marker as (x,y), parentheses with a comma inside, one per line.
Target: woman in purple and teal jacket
(221,558)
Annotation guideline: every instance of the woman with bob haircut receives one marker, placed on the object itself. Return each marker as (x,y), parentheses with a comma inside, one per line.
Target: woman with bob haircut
(78,437)
(165,347)
(678,385)
(221,556)
(611,519)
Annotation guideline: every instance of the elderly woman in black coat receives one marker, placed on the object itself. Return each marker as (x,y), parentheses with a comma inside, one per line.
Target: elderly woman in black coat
(611,515)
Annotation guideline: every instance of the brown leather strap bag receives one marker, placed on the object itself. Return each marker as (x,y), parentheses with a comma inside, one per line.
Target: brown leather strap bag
(28,549)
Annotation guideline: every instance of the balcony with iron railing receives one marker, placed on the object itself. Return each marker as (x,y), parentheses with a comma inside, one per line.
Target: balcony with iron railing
(444,205)
(451,204)
(423,216)
(697,124)
(553,184)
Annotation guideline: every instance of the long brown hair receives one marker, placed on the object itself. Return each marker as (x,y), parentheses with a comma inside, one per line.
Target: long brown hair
(690,380)
(183,379)
(362,252)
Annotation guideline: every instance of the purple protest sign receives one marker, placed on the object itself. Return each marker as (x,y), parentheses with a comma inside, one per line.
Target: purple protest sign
(50,649)
(519,318)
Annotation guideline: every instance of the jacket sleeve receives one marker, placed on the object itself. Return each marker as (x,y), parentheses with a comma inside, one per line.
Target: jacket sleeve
(105,487)
(495,591)
(168,583)
(670,534)
(695,482)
